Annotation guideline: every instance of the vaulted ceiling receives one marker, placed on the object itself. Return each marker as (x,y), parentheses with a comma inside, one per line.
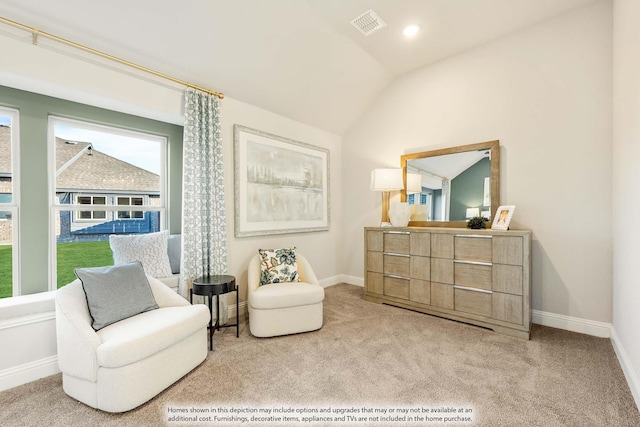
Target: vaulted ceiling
(299,58)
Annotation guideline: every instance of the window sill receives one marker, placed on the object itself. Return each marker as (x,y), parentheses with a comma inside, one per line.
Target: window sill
(24,305)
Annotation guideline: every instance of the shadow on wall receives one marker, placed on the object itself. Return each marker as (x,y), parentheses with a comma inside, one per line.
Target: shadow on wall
(545,275)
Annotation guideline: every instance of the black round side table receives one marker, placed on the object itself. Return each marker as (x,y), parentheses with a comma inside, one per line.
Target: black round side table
(216,285)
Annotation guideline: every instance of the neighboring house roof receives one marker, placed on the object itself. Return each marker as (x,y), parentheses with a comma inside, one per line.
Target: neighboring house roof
(79,171)
(65,151)
(5,150)
(98,171)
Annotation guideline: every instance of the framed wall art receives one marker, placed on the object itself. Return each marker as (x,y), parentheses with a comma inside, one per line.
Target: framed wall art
(281,185)
(503,218)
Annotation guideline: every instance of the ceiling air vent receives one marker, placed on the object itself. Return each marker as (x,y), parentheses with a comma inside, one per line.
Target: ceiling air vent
(368,22)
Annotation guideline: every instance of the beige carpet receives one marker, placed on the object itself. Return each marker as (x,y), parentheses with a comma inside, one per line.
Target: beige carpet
(370,356)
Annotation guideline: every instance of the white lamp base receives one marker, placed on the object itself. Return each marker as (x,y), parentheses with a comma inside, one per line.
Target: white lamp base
(399,213)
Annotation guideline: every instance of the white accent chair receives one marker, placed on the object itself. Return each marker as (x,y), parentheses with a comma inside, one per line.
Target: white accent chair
(284,308)
(125,364)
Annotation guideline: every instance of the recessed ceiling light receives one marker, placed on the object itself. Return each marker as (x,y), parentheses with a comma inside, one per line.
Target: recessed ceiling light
(411,30)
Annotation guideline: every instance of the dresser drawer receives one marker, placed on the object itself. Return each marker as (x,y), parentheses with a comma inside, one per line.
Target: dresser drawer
(472,275)
(442,270)
(374,261)
(507,308)
(420,268)
(442,295)
(375,283)
(396,287)
(441,245)
(397,265)
(508,250)
(397,243)
(374,241)
(473,302)
(473,248)
(420,291)
(507,279)
(420,243)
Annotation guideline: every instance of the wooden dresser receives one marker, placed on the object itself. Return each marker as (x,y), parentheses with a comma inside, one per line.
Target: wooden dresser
(482,277)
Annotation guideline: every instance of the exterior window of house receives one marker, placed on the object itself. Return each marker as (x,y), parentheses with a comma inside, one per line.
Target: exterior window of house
(9,195)
(91,200)
(107,181)
(130,201)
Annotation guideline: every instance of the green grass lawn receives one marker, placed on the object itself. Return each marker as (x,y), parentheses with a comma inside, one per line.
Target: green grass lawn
(70,256)
(81,254)
(5,271)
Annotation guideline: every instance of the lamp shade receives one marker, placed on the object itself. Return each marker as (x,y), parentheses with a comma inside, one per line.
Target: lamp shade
(386,179)
(414,183)
(473,212)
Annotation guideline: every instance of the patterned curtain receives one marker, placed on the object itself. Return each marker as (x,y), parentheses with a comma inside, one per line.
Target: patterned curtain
(204,235)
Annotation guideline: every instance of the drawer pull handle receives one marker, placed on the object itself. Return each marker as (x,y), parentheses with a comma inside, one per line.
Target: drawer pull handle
(393,276)
(472,289)
(475,236)
(461,261)
(396,254)
(395,232)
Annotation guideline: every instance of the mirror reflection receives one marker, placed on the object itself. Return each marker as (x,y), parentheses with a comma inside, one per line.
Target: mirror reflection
(452,185)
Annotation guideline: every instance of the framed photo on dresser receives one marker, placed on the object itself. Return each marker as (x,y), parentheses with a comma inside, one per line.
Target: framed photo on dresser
(503,217)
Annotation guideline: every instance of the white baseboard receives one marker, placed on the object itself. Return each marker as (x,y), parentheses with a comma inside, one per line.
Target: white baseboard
(342,278)
(629,373)
(231,309)
(28,372)
(573,324)
(353,280)
(330,281)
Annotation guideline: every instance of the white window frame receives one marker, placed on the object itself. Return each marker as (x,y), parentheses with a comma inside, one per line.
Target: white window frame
(145,202)
(14,206)
(76,217)
(54,204)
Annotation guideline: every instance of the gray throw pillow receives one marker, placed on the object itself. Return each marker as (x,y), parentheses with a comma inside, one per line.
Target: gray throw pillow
(174,247)
(116,292)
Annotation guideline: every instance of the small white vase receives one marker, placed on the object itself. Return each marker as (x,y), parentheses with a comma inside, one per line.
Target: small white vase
(399,214)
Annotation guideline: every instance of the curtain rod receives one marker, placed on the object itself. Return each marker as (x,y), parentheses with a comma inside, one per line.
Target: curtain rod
(35,33)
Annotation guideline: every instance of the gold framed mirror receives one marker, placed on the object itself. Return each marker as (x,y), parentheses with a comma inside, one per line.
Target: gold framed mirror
(454,184)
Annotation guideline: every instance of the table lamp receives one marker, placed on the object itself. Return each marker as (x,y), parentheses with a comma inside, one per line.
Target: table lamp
(473,212)
(386,180)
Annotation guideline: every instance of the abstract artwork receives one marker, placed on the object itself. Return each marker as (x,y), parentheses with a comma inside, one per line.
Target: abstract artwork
(281,185)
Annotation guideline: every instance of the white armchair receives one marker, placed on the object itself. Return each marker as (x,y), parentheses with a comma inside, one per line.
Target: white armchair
(284,308)
(123,365)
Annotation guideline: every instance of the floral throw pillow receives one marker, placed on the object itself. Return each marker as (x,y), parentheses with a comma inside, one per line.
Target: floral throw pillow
(278,265)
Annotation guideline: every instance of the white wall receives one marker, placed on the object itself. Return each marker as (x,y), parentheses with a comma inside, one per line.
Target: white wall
(320,248)
(626,180)
(545,93)
(54,71)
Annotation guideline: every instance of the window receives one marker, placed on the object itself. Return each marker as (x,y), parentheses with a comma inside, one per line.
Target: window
(107,181)
(417,199)
(9,193)
(91,200)
(133,201)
